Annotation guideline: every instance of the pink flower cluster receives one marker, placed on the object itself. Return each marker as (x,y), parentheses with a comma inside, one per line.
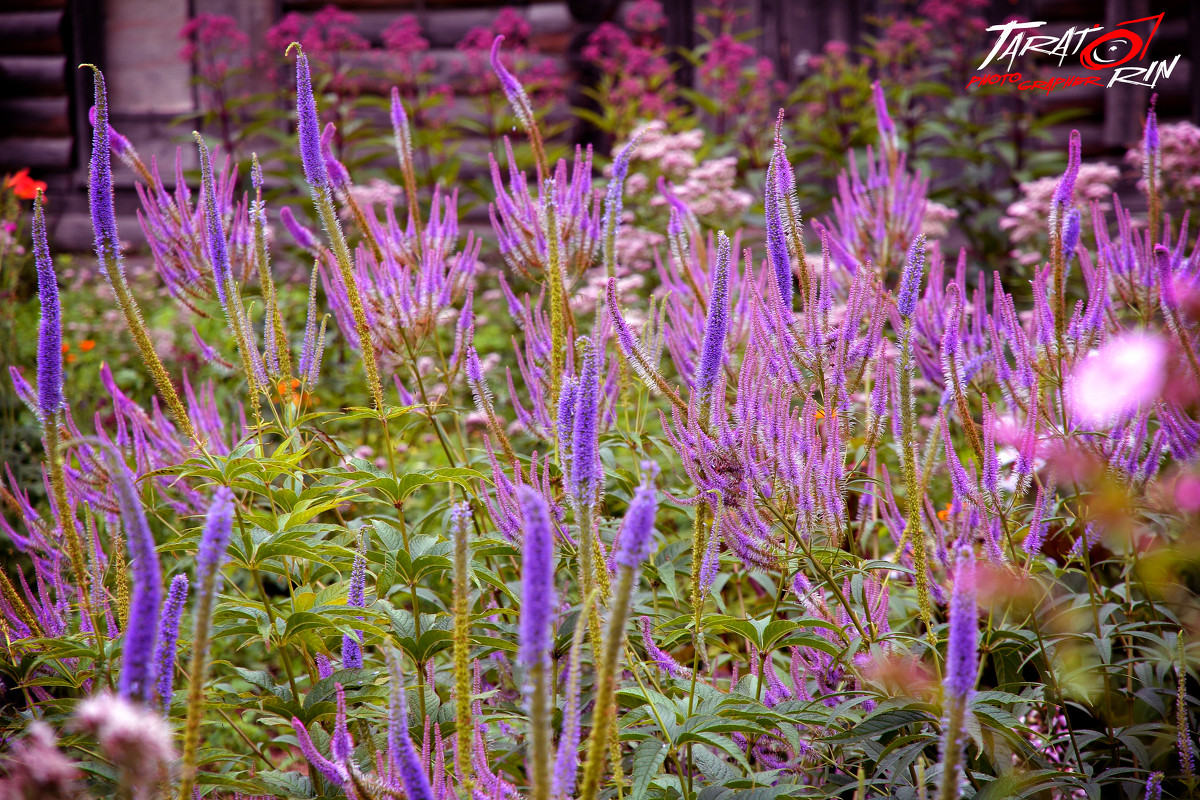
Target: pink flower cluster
(1179,145)
(1025,220)
(642,78)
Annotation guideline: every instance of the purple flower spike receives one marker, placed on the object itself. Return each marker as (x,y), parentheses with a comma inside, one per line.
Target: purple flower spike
(218,247)
(887,128)
(512,87)
(777,249)
(962,661)
(303,236)
(537,579)
(324,667)
(168,635)
(352,657)
(637,532)
(1150,134)
(661,658)
(142,629)
(910,278)
(334,773)
(1064,194)
(50,357)
(712,349)
(1154,788)
(119,145)
(309,125)
(341,746)
(214,540)
(587,476)
(1070,240)
(403,756)
(100,188)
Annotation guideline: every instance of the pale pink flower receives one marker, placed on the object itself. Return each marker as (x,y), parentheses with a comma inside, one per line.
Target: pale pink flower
(1127,372)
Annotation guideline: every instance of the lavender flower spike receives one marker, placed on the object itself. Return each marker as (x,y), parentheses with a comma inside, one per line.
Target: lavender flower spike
(352,656)
(962,660)
(309,125)
(302,235)
(405,761)
(537,579)
(910,278)
(218,247)
(1064,193)
(587,477)
(142,629)
(50,358)
(168,635)
(214,540)
(637,532)
(100,188)
(887,128)
(712,348)
(962,664)
(777,249)
(512,88)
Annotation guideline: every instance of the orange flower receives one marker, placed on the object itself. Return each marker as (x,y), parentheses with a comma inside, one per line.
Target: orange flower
(944,514)
(66,346)
(87,345)
(821,414)
(70,358)
(24,186)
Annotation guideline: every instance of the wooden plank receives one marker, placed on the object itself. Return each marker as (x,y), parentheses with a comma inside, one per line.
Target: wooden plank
(36,116)
(33,75)
(31,32)
(37,153)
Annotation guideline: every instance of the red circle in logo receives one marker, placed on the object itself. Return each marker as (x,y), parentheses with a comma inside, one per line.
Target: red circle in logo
(1091,60)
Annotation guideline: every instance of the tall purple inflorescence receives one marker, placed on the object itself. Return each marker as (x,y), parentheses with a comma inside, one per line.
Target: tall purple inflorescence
(309,127)
(910,278)
(587,476)
(50,356)
(100,188)
(352,656)
(218,247)
(214,540)
(403,757)
(537,579)
(168,635)
(962,659)
(637,531)
(712,347)
(142,629)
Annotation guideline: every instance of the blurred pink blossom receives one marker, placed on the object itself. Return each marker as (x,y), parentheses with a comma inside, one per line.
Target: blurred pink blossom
(1127,372)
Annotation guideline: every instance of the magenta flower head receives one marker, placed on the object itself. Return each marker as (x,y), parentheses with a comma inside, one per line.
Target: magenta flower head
(1126,373)
(887,128)
(142,629)
(168,635)
(712,347)
(309,125)
(218,247)
(537,579)
(402,755)
(50,358)
(637,532)
(962,659)
(910,278)
(100,188)
(1064,193)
